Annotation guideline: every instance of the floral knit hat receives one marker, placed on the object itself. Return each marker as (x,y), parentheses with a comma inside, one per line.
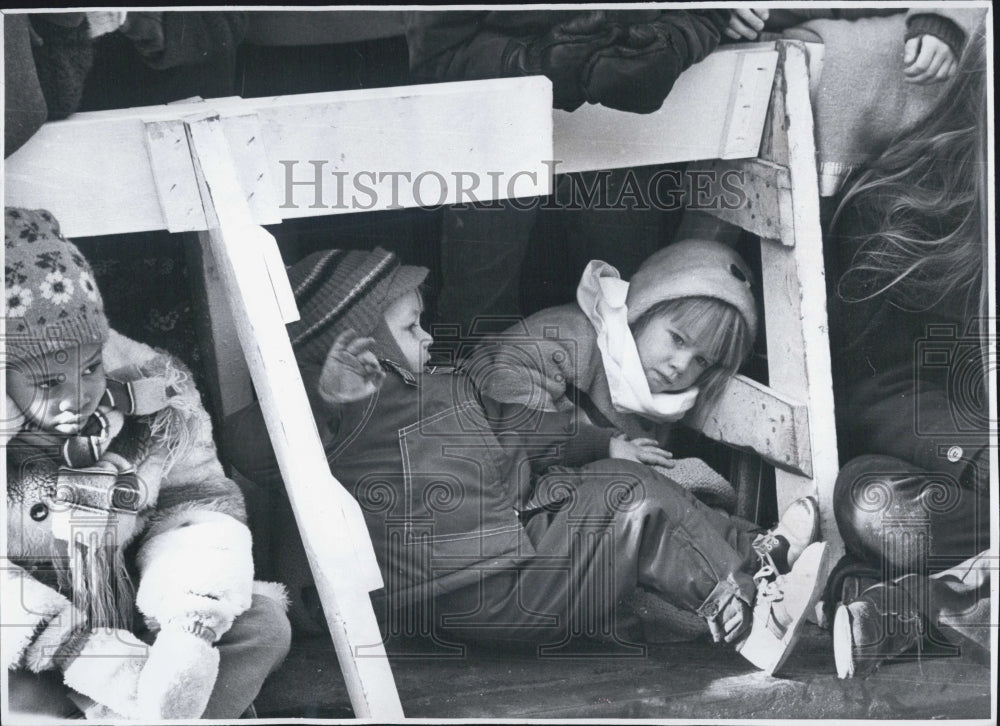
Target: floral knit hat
(51,301)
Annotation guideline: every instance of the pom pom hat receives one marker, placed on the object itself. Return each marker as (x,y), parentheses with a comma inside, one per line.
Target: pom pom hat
(340,289)
(51,301)
(693,268)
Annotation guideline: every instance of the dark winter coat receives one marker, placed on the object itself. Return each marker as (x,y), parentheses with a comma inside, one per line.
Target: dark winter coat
(431,477)
(908,383)
(627,60)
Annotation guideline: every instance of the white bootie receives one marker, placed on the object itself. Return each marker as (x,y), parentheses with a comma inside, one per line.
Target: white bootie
(782,605)
(797,529)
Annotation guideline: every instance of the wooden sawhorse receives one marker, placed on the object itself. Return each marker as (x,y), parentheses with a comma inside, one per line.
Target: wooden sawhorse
(223,168)
(790,422)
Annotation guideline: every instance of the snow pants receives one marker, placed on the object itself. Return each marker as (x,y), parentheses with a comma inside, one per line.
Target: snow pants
(598,532)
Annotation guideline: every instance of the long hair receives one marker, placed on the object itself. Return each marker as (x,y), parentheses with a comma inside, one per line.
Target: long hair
(716,325)
(922,204)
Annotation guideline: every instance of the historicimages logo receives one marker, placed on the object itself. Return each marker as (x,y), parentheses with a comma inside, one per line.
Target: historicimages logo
(313,184)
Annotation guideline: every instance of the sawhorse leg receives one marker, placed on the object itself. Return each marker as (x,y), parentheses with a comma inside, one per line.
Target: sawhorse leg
(329,519)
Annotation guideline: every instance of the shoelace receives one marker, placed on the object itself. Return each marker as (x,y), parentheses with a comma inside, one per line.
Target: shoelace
(766,580)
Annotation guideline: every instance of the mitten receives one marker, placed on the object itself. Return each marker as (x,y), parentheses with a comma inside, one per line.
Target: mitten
(198,574)
(561,55)
(637,73)
(179,675)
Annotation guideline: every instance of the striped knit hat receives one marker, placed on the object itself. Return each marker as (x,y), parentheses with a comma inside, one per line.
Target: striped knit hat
(340,289)
(51,301)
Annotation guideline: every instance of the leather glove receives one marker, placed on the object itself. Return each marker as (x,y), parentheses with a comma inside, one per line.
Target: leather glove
(145,30)
(561,54)
(637,74)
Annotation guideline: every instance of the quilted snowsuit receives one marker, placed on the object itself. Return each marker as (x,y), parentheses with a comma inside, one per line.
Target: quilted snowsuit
(462,525)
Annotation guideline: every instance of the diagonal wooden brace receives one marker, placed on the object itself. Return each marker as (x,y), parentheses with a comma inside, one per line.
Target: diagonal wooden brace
(330,521)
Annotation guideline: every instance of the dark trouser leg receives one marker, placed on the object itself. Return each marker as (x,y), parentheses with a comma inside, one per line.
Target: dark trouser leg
(956,603)
(891,512)
(249,652)
(42,696)
(612,525)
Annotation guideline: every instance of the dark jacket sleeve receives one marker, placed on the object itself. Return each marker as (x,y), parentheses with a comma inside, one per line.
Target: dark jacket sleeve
(453,46)
(63,58)
(549,437)
(626,60)
(637,73)
(192,38)
(247,443)
(24,103)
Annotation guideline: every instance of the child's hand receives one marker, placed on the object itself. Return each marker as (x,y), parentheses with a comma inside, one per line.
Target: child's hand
(645,451)
(351,371)
(928,59)
(731,623)
(747,23)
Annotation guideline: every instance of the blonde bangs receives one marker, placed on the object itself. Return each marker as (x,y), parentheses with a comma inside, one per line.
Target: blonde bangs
(716,325)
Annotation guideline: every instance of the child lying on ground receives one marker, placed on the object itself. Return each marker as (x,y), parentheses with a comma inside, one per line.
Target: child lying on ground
(114,476)
(469,540)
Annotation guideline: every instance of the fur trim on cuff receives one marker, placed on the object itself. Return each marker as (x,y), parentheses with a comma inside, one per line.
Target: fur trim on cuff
(28,605)
(107,670)
(201,570)
(61,638)
(272,590)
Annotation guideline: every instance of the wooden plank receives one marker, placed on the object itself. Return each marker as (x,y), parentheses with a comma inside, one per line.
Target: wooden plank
(382,148)
(692,124)
(253,168)
(173,176)
(177,189)
(794,288)
(751,416)
(228,378)
(745,123)
(764,204)
(329,519)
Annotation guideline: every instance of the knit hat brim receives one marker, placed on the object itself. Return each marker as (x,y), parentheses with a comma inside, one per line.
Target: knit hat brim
(694,268)
(338,290)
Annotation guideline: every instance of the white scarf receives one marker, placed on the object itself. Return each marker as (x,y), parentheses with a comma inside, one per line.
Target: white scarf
(601,295)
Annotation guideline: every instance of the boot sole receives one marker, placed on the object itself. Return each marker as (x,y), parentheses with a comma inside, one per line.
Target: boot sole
(767,651)
(843,642)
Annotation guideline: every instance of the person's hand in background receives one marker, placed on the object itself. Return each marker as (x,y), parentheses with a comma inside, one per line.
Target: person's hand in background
(746,23)
(928,59)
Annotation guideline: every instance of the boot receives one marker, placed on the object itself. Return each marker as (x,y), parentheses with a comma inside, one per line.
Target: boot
(848,580)
(881,624)
(783,603)
(797,529)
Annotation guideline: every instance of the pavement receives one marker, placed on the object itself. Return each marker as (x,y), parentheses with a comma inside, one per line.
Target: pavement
(692,680)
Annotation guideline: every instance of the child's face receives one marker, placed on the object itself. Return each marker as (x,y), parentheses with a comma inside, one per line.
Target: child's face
(402,318)
(59,391)
(671,359)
